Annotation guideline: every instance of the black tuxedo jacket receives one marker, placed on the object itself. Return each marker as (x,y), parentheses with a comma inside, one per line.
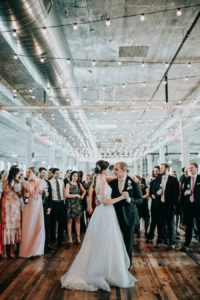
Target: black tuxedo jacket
(172,191)
(127,211)
(47,203)
(187,186)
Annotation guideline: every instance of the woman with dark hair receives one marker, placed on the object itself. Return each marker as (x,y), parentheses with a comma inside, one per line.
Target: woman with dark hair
(10,211)
(102,260)
(33,231)
(75,194)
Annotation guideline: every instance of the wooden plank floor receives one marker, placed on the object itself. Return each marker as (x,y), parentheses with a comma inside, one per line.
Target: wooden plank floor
(161,273)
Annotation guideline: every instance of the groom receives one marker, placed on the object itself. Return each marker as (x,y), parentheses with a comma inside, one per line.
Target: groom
(126,211)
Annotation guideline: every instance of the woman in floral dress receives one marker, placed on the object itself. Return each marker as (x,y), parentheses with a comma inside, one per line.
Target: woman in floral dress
(75,193)
(10,211)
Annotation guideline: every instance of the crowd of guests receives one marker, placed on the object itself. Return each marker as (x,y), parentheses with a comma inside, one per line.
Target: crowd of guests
(39,209)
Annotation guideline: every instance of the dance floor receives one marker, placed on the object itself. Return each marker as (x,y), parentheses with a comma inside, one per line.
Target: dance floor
(161,274)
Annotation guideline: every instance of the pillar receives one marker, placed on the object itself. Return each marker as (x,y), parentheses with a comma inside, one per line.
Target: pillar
(29,141)
(184,146)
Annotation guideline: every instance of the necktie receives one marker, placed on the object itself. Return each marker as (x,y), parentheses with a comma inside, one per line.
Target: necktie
(58,191)
(192,190)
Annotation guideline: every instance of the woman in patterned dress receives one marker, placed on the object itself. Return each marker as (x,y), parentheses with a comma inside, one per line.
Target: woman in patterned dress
(10,211)
(75,193)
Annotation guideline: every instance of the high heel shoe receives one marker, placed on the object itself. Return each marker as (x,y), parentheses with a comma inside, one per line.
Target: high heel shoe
(78,241)
(70,242)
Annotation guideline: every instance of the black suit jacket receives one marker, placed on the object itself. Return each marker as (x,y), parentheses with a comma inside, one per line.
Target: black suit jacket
(187,186)
(172,191)
(127,211)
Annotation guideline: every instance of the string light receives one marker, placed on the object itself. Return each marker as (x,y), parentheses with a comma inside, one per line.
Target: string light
(189,65)
(30,90)
(14,32)
(186,78)
(166,64)
(107,22)
(142,17)
(85,89)
(178,12)
(119,63)
(94,62)
(143,64)
(68,61)
(75,26)
(123,85)
(15,56)
(42,59)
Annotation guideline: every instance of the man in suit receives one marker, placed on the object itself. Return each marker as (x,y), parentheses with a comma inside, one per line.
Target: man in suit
(191,203)
(58,211)
(166,192)
(154,206)
(126,211)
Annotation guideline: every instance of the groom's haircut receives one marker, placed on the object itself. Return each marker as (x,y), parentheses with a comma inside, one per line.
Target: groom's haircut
(123,165)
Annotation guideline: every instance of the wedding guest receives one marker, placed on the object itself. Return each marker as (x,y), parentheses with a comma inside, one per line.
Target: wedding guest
(58,211)
(33,231)
(191,192)
(75,193)
(46,208)
(10,211)
(84,202)
(50,173)
(143,209)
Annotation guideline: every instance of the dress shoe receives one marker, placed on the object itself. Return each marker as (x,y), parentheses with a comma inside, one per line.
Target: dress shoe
(185,249)
(51,246)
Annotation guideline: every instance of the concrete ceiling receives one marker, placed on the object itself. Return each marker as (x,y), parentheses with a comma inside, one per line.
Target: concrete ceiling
(130,60)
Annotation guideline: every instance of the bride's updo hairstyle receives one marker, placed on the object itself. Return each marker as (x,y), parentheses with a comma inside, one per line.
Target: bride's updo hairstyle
(101,165)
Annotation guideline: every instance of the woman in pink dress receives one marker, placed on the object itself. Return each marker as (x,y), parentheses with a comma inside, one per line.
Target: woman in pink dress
(10,211)
(33,231)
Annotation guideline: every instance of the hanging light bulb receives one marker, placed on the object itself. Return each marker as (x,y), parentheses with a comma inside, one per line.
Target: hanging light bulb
(14,32)
(104,87)
(93,62)
(186,78)
(85,89)
(119,63)
(44,28)
(123,85)
(30,90)
(189,65)
(166,64)
(142,17)
(178,12)
(143,64)
(42,59)
(15,56)
(75,26)
(107,22)
(68,61)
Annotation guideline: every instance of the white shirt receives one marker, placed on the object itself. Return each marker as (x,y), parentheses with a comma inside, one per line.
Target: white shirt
(54,189)
(163,184)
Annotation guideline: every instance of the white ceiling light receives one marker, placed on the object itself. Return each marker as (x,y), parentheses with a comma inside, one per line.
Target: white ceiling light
(75,26)
(107,22)
(178,12)
(93,62)
(142,17)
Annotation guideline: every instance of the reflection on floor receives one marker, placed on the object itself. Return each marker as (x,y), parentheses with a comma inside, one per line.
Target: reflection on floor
(162,274)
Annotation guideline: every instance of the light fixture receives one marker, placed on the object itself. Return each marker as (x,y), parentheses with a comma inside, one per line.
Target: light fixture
(189,65)
(42,59)
(33,97)
(178,12)
(14,32)
(123,85)
(68,61)
(186,78)
(143,64)
(75,26)
(85,89)
(166,64)
(142,17)
(107,22)
(15,56)
(119,63)
(93,62)
(104,87)
(30,90)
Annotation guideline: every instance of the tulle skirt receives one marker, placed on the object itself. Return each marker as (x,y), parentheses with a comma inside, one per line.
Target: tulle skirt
(102,260)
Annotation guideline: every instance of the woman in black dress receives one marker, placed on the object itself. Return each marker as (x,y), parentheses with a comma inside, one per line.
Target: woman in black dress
(75,194)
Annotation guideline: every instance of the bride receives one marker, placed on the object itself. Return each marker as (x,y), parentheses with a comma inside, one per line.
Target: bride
(102,260)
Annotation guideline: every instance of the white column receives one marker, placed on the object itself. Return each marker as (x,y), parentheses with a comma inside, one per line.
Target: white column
(149,164)
(141,166)
(29,141)
(161,154)
(52,152)
(135,167)
(184,146)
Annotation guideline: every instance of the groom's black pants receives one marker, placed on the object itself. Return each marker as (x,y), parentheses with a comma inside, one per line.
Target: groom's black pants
(127,233)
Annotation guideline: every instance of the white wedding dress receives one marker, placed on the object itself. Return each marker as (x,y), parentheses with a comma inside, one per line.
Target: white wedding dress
(102,260)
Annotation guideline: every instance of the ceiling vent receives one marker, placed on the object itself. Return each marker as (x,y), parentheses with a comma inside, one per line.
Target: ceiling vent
(133,51)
